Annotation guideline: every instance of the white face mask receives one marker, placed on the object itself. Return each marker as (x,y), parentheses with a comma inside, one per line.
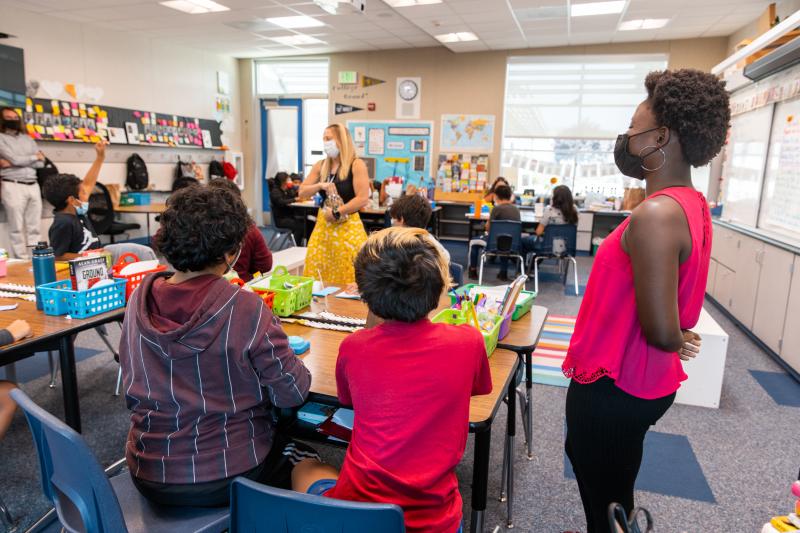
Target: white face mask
(331,150)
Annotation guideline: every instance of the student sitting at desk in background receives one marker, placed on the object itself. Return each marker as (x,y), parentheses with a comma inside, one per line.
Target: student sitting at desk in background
(17,330)
(414,212)
(282,195)
(491,197)
(203,362)
(504,209)
(71,232)
(254,255)
(410,424)
(561,210)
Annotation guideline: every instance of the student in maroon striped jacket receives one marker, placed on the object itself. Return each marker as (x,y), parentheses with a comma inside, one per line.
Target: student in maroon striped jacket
(203,363)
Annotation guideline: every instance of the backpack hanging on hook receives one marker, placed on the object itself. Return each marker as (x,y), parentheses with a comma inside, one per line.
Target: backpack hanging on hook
(215,170)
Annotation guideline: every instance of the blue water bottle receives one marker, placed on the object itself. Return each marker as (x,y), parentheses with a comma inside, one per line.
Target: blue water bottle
(44,268)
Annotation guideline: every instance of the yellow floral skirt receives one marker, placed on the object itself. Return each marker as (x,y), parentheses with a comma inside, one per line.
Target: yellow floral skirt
(332,249)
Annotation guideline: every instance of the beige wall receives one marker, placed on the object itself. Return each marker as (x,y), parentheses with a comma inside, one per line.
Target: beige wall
(757,27)
(475,82)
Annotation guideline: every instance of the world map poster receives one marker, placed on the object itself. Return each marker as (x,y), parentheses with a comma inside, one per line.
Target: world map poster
(467,133)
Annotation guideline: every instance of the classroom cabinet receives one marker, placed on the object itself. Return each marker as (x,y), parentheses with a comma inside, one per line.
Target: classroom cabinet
(723,286)
(747,268)
(790,347)
(773,294)
(712,276)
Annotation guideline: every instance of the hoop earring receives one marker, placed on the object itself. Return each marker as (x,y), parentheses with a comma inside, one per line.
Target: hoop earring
(663,155)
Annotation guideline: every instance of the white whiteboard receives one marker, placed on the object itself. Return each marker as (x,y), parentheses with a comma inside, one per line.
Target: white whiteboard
(780,205)
(743,169)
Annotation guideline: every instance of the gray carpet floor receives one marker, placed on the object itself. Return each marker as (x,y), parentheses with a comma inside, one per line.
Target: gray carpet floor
(746,448)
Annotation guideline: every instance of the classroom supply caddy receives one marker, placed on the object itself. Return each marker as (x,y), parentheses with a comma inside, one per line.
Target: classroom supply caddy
(292,293)
(456,317)
(266,295)
(58,298)
(134,280)
(523,306)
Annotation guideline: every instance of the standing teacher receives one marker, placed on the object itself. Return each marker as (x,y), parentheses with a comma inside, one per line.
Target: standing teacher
(645,291)
(21,197)
(342,180)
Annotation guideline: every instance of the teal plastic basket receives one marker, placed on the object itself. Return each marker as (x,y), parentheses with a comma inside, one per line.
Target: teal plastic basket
(58,298)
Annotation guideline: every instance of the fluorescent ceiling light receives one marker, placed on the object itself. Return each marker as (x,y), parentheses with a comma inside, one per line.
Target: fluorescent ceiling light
(195,7)
(300,21)
(458,37)
(411,3)
(597,8)
(642,24)
(296,40)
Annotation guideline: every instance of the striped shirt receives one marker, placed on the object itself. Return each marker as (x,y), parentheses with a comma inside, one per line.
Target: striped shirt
(200,393)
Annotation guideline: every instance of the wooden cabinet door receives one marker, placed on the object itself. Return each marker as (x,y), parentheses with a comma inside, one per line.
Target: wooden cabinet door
(790,347)
(773,294)
(748,270)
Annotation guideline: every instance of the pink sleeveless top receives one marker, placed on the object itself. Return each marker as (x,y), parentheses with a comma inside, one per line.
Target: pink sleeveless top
(608,339)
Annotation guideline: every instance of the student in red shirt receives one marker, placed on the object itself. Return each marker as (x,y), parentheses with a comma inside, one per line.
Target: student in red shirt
(409,382)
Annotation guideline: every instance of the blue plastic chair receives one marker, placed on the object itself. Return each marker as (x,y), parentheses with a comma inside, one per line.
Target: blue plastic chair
(86,500)
(457,273)
(566,233)
(257,508)
(505,241)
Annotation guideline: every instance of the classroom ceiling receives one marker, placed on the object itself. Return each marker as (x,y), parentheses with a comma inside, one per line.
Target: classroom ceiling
(243,31)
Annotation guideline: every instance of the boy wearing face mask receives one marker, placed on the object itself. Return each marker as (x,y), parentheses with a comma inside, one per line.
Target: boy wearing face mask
(21,197)
(203,363)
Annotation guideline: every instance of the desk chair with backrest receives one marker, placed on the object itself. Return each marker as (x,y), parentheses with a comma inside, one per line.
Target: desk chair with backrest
(457,273)
(257,508)
(505,242)
(558,242)
(277,239)
(101,213)
(86,500)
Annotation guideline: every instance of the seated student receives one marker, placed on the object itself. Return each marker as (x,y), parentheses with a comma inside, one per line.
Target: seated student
(282,195)
(17,330)
(504,209)
(71,232)
(410,425)
(414,212)
(254,255)
(490,197)
(561,210)
(203,362)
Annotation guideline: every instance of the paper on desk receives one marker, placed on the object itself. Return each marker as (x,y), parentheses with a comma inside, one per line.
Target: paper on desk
(348,295)
(326,291)
(8,307)
(344,418)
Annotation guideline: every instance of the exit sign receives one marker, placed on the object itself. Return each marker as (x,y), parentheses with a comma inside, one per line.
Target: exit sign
(348,77)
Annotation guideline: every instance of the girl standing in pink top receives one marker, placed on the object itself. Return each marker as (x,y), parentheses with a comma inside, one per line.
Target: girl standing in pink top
(645,291)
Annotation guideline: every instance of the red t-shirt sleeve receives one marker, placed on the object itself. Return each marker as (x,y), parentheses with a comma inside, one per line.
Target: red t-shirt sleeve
(261,257)
(482,383)
(342,385)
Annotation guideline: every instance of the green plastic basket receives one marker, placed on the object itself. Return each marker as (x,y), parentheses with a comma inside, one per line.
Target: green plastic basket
(523,305)
(289,300)
(456,317)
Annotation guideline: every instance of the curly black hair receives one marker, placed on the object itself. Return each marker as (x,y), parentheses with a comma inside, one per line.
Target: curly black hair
(695,105)
(225,183)
(414,210)
(200,226)
(58,188)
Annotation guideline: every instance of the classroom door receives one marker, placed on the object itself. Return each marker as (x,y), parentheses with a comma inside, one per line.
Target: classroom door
(281,140)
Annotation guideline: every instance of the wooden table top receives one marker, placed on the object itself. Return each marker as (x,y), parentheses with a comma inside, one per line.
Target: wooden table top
(525,216)
(148,208)
(42,325)
(321,357)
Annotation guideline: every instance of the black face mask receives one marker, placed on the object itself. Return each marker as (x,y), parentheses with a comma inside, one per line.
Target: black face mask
(630,165)
(12,125)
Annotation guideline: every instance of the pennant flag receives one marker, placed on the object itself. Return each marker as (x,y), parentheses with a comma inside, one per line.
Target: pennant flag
(366,81)
(341,109)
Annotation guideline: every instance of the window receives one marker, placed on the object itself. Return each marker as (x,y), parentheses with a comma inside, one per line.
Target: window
(292,77)
(563,115)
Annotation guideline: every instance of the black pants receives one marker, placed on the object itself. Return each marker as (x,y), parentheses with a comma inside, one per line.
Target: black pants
(605,436)
(275,470)
(294,225)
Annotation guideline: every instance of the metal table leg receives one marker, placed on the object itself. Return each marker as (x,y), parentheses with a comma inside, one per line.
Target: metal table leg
(511,432)
(529,391)
(69,383)
(480,478)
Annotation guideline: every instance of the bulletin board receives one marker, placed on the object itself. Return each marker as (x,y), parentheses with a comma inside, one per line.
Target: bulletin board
(399,148)
(66,121)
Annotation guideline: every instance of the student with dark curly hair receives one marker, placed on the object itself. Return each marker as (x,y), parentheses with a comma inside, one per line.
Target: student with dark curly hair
(645,291)
(203,363)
